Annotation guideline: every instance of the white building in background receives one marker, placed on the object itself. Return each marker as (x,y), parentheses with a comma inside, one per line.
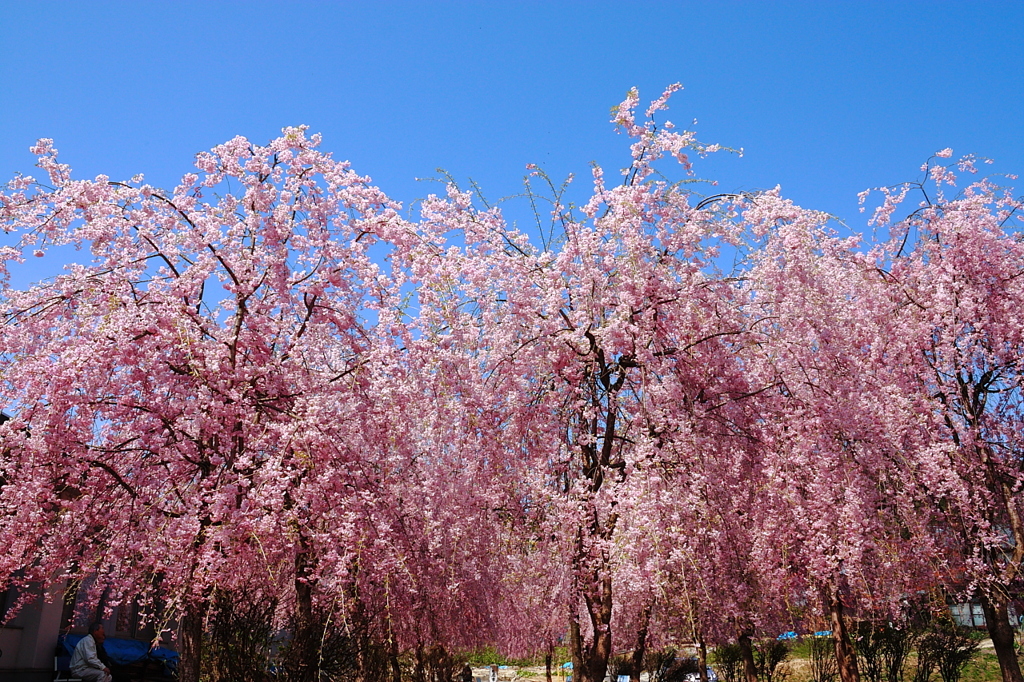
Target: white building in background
(28,642)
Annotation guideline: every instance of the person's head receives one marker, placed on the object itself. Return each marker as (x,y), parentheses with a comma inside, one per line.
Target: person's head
(96,630)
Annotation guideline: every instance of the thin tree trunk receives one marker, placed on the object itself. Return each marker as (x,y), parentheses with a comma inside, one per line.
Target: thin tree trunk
(846,655)
(702,659)
(396,666)
(747,654)
(370,667)
(641,645)
(307,662)
(190,642)
(575,646)
(547,662)
(419,670)
(998,624)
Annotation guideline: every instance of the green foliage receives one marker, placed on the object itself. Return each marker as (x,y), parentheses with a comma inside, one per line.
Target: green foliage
(489,655)
(883,649)
(485,656)
(320,651)
(957,647)
(620,665)
(770,656)
(822,654)
(867,643)
(238,638)
(434,663)
(728,662)
(983,666)
(658,662)
(666,665)
(946,648)
(897,643)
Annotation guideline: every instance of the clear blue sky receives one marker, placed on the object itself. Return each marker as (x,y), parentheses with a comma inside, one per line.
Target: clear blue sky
(826,98)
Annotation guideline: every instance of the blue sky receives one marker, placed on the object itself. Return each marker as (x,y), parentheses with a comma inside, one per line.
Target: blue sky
(826,98)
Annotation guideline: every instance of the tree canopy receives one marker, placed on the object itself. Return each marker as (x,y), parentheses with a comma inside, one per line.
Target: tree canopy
(657,416)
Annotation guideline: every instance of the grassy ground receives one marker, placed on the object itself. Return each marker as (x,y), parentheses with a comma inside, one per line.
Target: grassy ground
(983,668)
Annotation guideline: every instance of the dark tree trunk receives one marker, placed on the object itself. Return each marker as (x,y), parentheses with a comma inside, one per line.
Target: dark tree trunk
(590,660)
(998,624)
(747,654)
(369,669)
(396,665)
(846,655)
(305,660)
(598,459)
(190,642)
(597,666)
(547,663)
(371,657)
(702,659)
(598,653)
(419,670)
(575,646)
(641,645)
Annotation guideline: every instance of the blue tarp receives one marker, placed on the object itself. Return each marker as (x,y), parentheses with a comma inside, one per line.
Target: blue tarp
(127,651)
(166,656)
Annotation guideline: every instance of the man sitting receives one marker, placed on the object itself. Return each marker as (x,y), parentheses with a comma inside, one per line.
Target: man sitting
(85,662)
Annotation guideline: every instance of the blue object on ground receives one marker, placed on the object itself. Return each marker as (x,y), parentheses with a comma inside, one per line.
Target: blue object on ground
(823,633)
(787,635)
(166,656)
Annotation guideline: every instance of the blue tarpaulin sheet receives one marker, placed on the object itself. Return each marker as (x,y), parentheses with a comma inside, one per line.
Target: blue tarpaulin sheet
(127,651)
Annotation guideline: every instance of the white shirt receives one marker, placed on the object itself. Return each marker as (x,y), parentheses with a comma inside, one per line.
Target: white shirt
(85,656)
